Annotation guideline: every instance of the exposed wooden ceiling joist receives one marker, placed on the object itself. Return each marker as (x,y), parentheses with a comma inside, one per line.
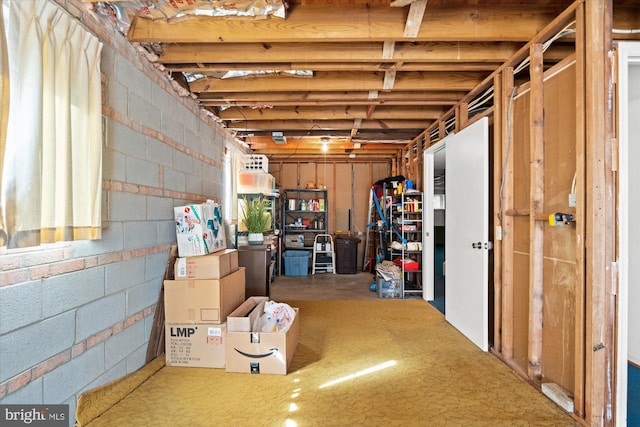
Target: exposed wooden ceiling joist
(353,23)
(379,72)
(340,81)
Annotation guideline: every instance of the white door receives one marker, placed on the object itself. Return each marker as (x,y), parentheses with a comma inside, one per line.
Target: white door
(467,232)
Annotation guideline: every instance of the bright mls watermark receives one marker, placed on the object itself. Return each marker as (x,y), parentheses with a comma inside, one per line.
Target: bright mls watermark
(34,415)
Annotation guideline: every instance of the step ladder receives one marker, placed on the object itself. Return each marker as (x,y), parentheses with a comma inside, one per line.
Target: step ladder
(370,250)
(324,257)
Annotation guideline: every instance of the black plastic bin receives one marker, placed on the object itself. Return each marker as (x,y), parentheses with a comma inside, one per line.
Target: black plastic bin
(347,254)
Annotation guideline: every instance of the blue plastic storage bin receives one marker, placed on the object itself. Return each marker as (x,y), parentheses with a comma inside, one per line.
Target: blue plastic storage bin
(296,263)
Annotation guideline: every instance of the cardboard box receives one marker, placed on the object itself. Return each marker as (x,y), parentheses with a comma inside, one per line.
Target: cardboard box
(198,346)
(212,266)
(203,300)
(258,352)
(199,229)
(240,320)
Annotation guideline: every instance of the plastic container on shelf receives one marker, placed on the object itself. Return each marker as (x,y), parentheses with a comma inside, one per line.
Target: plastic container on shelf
(296,263)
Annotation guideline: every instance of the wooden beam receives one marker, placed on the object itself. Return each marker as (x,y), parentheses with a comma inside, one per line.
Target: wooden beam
(600,215)
(328,113)
(389,80)
(580,349)
(345,53)
(414,19)
(325,81)
(326,124)
(345,97)
(496,181)
(212,69)
(536,228)
(401,3)
(352,23)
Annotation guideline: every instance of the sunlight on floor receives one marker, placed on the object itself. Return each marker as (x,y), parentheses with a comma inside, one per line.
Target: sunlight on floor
(367,371)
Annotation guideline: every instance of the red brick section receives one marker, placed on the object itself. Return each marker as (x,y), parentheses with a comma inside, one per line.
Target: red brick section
(51,364)
(16,271)
(54,362)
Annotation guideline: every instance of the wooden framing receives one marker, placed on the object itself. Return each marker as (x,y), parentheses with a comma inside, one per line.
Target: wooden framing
(579,374)
(593,321)
(599,214)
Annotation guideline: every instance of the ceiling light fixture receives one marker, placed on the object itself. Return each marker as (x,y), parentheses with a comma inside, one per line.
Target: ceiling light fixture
(325,144)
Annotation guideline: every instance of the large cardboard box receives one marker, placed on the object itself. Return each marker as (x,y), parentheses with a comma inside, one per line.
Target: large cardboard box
(212,266)
(198,346)
(258,352)
(199,229)
(203,300)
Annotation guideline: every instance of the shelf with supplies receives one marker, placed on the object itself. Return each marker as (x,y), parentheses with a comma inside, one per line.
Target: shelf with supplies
(405,246)
(304,215)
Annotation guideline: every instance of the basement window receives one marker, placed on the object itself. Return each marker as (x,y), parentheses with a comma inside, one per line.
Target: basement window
(50,126)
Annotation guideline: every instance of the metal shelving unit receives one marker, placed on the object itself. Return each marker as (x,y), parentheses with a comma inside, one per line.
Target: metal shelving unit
(300,226)
(406,249)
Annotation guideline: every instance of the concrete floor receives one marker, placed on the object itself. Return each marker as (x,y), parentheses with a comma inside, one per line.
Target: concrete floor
(323,286)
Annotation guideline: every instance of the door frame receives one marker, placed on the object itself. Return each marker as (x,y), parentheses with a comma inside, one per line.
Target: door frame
(428,220)
(628,53)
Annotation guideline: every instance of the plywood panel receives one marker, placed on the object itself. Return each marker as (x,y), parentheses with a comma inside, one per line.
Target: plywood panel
(362,185)
(289,176)
(307,175)
(558,333)
(343,196)
(521,307)
(521,170)
(379,171)
(326,177)
(560,159)
(560,242)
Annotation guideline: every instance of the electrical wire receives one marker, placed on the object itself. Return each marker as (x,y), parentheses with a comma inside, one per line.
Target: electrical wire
(506,159)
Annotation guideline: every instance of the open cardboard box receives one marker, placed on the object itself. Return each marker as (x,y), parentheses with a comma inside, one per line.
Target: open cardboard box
(255,352)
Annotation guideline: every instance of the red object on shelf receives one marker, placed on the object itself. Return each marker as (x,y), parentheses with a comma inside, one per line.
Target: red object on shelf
(409,264)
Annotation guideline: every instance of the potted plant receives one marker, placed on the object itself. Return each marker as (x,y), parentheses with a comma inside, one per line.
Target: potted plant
(256,218)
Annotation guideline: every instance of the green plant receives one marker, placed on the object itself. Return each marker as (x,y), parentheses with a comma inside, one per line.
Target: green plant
(256,214)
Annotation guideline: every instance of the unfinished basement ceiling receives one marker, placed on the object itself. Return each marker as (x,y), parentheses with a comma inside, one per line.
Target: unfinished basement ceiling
(365,77)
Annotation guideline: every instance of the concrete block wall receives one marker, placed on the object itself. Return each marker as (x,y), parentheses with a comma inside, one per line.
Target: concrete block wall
(77,315)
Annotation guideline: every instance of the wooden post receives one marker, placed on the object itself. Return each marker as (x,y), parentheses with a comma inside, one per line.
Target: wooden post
(419,163)
(498,118)
(579,365)
(536,228)
(600,215)
(507,222)
(442,129)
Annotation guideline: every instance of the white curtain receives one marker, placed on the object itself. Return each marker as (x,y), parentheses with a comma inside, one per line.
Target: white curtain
(52,170)
(4,104)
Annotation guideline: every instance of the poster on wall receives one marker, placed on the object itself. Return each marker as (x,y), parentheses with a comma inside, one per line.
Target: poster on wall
(199,229)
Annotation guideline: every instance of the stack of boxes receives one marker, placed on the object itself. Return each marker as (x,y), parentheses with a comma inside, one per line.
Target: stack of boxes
(208,291)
